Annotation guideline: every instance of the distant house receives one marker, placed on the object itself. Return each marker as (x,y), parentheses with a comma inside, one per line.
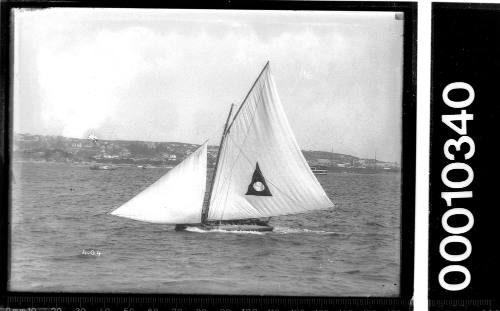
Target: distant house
(169,156)
(109,156)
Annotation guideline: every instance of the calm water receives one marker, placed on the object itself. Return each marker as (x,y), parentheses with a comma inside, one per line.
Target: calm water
(60,209)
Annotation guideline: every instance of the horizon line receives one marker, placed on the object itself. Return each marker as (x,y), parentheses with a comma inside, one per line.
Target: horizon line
(179,142)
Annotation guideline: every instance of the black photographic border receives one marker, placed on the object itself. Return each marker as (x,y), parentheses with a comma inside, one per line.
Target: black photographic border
(408,160)
(465,46)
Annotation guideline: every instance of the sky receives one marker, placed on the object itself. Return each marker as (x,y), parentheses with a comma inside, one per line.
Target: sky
(171,75)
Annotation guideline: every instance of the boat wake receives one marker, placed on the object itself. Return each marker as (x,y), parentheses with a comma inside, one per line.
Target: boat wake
(198,230)
(278,230)
(286,230)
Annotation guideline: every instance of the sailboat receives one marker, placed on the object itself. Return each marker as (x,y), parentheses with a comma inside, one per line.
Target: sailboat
(260,173)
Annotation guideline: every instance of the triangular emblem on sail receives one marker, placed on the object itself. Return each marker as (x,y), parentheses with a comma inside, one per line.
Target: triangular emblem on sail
(258,185)
(176,198)
(260,132)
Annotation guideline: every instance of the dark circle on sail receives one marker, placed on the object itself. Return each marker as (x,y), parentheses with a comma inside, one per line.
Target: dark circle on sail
(258,184)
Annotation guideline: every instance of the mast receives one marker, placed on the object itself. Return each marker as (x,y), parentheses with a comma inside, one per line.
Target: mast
(204,211)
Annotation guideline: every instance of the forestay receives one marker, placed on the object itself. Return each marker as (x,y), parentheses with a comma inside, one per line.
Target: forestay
(176,198)
(260,155)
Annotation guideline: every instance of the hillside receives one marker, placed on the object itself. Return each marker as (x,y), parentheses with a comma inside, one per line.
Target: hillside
(64,149)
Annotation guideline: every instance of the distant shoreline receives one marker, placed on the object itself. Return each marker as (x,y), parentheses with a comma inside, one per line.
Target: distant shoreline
(45,148)
(133,166)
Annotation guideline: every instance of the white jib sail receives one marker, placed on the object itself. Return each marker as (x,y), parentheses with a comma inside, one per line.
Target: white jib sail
(260,134)
(176,198)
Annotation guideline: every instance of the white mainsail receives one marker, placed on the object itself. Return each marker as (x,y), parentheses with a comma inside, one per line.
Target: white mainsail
(262,171)
(176,198)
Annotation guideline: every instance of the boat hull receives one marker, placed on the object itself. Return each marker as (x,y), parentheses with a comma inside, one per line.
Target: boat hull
(256,225)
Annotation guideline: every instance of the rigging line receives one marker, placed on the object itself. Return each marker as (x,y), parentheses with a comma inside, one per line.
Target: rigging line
(248,94)
(228,135)
(206,208)
(226,195)
(254,112)
(211,136)
(220,165)
(218,181)
(225,201)
(231,176)
(225,181)
(222,147)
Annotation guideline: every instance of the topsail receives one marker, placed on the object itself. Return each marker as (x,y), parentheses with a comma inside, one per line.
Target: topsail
(262,171)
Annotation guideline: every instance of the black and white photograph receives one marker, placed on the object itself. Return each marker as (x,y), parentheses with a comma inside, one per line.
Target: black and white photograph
(203,151)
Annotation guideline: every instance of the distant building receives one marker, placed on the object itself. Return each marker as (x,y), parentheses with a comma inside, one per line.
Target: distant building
(109,156)
(169,156)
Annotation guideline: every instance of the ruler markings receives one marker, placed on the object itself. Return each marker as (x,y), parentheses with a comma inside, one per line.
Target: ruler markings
(217,303)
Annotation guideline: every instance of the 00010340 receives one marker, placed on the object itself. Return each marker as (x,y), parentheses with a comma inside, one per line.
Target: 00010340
(455,168)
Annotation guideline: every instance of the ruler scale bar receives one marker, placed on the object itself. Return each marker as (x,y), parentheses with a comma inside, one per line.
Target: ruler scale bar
(185,303)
